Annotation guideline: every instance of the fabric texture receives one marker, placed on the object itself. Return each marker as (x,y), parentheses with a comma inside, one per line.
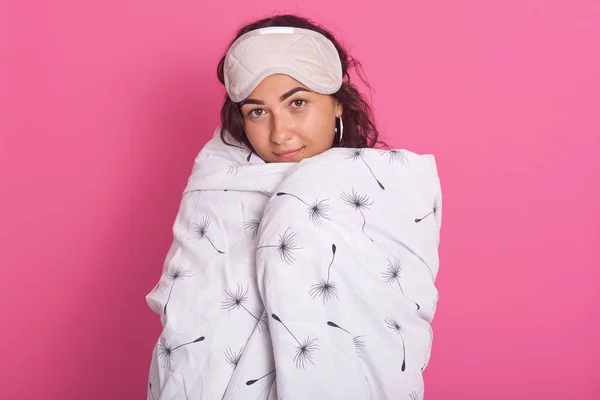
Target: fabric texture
(305,55)
(310,280)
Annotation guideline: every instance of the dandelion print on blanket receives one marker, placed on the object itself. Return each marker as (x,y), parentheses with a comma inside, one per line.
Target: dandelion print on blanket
(413,395)
(326,288)
(358,340)
(233,169)
(395,156)
(434,209)
(317,210)
(285,247)
(305,350)
(359,154)
(166,352)
(360,203)
(395,326)
(252,227)
(393,273)
(237,299)
(253,381)
(428,353)
(176,274)
(435,301)
(201,233)
(233,358)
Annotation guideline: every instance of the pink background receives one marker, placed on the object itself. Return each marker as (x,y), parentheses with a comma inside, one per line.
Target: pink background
(109,101)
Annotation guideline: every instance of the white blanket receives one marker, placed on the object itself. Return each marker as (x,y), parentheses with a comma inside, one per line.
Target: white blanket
(299,281)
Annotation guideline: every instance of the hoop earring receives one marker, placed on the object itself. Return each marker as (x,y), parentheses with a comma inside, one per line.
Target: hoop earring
(341,128)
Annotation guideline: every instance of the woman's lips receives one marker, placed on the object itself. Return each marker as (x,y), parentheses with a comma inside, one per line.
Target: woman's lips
(289,153)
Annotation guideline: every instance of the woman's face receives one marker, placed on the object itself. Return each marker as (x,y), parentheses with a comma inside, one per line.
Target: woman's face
(287,122)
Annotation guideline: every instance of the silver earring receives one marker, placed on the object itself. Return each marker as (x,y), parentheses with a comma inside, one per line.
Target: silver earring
(341,128)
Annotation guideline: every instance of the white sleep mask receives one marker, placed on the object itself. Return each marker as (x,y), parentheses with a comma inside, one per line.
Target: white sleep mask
(305,55)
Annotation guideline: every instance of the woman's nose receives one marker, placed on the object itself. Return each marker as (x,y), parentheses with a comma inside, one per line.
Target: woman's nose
(280,129)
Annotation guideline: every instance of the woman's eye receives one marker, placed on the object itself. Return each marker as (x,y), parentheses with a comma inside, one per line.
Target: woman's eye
(298,103)
(257,112)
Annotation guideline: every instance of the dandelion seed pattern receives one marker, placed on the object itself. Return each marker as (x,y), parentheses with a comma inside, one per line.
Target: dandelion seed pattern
(359,343)
(233,169)
(176,274)
(359,154)
(195,198)
(305,349)
(252,227)
(326,288)
(236,300)
(253,381)
(395,326)
(393,273)
(150,390)
(434,210)
(360,203)
(317,211)
(166,352)
(233,358)
(286,246)
(201,232)
(430,332)
(264,321)
(395,156)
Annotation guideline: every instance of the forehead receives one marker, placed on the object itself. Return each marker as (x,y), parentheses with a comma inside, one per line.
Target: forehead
(274,86)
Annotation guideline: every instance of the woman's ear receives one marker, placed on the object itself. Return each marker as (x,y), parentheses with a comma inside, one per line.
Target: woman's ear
(339,108)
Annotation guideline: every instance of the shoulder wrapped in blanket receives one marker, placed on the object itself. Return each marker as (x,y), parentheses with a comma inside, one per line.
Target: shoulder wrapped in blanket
(313,280)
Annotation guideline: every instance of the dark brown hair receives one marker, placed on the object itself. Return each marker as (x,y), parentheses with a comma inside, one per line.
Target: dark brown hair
(360,130)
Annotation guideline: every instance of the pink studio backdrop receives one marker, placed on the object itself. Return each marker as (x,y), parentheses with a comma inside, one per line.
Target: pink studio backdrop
(104,105)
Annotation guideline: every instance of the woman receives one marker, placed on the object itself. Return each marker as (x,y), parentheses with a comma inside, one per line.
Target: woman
(267,294)
(312,123)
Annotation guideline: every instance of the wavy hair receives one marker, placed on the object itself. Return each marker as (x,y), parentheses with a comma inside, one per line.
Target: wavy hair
(360,130)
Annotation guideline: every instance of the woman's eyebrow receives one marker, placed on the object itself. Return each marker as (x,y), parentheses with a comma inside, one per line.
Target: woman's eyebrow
(281,98)
(252,101)
(291,92)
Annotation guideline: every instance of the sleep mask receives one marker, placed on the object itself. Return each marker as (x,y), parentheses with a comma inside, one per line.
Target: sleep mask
(305,55)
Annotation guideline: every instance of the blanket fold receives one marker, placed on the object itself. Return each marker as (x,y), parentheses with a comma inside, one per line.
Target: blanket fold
(313,280)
